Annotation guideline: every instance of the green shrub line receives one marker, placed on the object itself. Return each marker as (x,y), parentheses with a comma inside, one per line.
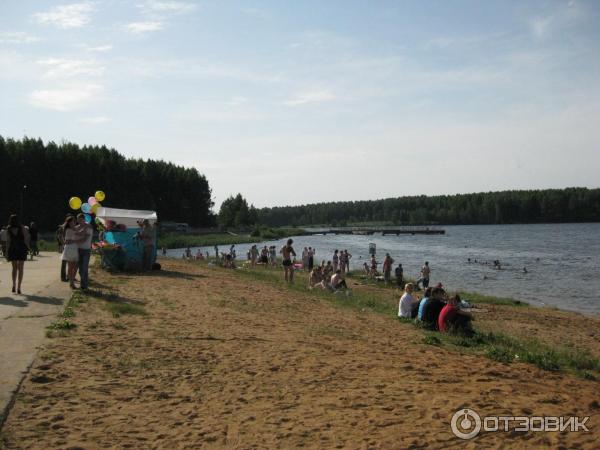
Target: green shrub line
(494,345)
(259,234)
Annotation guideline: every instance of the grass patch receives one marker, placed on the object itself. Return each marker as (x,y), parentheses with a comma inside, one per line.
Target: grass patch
(473,297)
(494,345)
(118,309)
(68,313)
(118,326)
(59,328)
(430,339)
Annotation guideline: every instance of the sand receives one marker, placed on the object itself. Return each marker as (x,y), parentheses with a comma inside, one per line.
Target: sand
(220,361)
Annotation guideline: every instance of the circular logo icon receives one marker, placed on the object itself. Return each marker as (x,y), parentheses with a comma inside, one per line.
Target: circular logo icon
(466,424)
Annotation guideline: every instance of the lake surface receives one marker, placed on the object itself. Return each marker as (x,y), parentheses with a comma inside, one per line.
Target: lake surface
(562,260)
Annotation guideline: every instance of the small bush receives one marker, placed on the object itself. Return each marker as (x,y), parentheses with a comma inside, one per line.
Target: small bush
(117,309)
(432,340)
(499,354)
(61,325)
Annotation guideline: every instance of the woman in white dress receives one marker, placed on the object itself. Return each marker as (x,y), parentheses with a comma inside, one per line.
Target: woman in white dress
(70,252)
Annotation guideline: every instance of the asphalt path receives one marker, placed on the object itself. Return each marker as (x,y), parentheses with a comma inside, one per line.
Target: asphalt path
(24,318)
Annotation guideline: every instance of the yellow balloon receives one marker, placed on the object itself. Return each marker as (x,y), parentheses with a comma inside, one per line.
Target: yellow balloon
(100,196)
(95,207)
(75,203)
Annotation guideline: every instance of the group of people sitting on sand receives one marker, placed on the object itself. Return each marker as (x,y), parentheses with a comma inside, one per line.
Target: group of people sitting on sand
(435,311)
(324,277)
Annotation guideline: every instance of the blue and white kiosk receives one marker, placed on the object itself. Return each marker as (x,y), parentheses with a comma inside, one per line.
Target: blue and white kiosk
(122,227)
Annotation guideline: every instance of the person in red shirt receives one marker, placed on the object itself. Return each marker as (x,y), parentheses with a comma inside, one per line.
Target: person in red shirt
(453,319)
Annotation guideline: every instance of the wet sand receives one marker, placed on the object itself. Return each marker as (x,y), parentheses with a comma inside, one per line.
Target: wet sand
(221,361)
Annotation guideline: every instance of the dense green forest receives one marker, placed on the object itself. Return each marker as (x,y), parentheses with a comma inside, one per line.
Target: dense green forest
(52,173)
(542,206)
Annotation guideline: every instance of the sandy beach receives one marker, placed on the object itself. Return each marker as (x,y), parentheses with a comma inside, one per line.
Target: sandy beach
(205,358)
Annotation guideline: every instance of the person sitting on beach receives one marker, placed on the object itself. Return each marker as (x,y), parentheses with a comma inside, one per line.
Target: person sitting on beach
(432,309)
(455,320)
(405,306)
(287,251)
(316,278)
(328,270)
(199,255)
(337,282)
(423,302)
(366,269)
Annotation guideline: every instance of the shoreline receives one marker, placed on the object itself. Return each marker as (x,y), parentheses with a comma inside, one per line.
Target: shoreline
(199,356)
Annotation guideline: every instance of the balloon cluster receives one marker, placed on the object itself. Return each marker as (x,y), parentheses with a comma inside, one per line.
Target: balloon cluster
(89,208)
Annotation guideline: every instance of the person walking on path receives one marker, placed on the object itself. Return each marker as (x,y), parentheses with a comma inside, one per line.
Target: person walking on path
(287,251)
(60,240)
(3,241)
(17,247)
(33,237)
(84,249)
(70,252)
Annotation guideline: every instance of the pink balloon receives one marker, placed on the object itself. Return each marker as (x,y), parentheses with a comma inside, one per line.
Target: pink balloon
(92,201)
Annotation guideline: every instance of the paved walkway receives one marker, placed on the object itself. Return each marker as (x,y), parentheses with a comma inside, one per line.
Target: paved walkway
(23,318)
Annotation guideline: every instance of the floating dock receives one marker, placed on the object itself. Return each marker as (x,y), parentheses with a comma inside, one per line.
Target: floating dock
(383,231)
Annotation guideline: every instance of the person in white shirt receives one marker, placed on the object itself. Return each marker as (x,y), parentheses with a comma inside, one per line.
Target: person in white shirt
(407,301)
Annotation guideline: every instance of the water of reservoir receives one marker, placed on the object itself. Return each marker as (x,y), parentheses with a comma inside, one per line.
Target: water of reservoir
(562,260)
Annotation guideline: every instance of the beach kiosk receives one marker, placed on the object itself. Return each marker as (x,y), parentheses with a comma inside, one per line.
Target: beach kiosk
(123,246)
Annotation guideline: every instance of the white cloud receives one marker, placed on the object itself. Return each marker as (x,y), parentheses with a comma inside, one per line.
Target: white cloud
(65,99)
(166,7)
(74,15)
(100,48)
(144,27)
(94,120)
(310,97)
(66,68)
(17,37)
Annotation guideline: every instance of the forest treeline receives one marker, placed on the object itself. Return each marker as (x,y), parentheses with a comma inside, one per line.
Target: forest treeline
(531,206)
(52,173)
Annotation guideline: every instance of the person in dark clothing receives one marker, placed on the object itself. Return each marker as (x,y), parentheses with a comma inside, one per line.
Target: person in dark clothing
(432,309)
(17,247)
(400,276)
(33,237)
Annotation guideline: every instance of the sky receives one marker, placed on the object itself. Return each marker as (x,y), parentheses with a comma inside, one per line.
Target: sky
(295,102)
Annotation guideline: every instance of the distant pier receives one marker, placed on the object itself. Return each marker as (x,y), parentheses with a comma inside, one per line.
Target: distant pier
(368,231)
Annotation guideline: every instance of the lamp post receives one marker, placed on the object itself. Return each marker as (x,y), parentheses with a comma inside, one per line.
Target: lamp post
(21,204)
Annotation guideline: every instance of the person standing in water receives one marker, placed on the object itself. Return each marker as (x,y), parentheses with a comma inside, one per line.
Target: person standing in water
(287,251)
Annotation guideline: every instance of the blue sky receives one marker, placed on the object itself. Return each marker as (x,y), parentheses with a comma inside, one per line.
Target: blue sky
(309,101)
